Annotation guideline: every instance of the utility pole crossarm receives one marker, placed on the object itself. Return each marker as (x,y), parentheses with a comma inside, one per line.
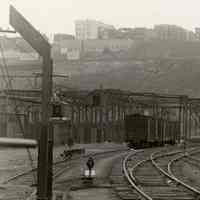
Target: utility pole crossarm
(7,31)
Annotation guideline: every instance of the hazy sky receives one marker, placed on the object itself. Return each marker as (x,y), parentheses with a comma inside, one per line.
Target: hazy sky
(52,16)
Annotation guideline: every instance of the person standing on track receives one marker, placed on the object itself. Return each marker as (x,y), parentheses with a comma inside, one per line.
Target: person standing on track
(90,165)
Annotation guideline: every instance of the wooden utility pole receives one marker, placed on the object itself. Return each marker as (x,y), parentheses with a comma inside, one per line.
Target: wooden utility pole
(45,151)
(46,136)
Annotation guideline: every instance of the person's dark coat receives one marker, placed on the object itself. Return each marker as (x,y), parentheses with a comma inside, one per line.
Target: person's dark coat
(90,163)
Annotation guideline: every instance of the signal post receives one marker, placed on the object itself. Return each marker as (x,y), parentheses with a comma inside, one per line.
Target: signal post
(45,148)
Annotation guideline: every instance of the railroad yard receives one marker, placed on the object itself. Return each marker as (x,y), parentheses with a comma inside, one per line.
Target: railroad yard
(154,173)
(63,141)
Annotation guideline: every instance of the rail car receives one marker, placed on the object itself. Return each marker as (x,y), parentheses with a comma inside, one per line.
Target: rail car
(145,131)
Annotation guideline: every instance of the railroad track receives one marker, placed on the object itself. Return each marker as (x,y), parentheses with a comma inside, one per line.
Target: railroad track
(123,181)
(120,174)
(152,180)
(103,183)
(59,167)
(175,167)
(61,188)
(148,174)
(25,179)
(119,183)
(29,177)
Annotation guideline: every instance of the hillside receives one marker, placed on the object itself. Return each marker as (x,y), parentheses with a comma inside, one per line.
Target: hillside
(165,76)
(177,76)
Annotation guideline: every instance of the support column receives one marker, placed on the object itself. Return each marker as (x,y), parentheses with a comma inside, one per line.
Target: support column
(196,127)
(81,126)
(87,130)
(185,119)
(181,119)
(130,109)
(101,122)
(118,131)
(190,121)
(155,114)
(112,122)
(96,123)
(92,124)
(78,124)
(72,122)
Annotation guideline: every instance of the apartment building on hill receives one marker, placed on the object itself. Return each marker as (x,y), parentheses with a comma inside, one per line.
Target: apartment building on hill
(89,29)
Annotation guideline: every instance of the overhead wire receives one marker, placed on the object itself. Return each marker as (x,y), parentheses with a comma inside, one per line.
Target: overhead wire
(8,86)
(21,48)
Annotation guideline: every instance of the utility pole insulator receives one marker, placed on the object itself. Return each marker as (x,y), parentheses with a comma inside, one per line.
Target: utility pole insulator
(56,106)
(57,110)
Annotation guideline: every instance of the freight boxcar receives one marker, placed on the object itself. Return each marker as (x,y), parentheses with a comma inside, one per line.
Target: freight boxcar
(138,130)
(145,131)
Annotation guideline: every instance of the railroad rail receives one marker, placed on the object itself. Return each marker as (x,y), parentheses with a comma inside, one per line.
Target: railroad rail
(184,179)
(131,179)
(59,167)
(152,180)
(147,171)
(64,169)
(166,170)
(25,179)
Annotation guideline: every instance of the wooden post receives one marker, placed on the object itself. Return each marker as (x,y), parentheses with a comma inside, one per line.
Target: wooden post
(47,126)
(45,152)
